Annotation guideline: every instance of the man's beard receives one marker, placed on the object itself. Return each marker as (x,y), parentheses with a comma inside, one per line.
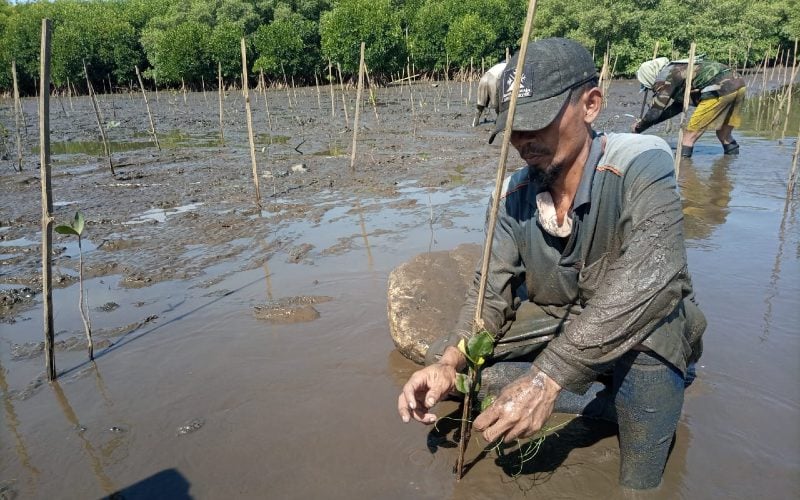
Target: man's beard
(544,177)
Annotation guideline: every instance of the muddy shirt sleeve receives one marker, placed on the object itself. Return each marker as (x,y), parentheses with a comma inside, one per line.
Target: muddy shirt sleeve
(638,291)
(663,107)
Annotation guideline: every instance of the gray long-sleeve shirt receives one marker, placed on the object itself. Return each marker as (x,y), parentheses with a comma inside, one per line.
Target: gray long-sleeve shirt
(619,280)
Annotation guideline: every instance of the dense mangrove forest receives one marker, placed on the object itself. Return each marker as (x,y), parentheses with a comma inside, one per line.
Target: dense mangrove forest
(186,42)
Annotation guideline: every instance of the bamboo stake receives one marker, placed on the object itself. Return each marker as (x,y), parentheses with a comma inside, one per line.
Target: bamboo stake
(344,98)
(92,96)
(330,83)
(358,108)
(17,111)
(466,422)
(371,93)
(789,91)
(246,94)
(686,96)
(219,94)
(47,201)
(793,171)
(69,95)
(286,84)
(203,86)
(469,94)
(183,87)
(778,54)
(316,84)
(263,84)
(147,105)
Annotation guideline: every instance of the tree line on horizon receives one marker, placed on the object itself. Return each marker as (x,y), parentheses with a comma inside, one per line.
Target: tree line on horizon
(177,42)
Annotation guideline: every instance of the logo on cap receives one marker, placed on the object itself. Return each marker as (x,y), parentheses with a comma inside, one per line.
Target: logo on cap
(524,89)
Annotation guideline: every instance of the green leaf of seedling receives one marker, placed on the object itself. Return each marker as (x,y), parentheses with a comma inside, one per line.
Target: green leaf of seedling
(480,345)
(487,402)
(78,223)
(66,230)
(462,346)
(462,383)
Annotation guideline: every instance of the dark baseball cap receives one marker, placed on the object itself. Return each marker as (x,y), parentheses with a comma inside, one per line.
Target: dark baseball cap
(553,66)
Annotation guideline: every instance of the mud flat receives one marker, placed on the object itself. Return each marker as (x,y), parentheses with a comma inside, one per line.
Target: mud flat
(224,370)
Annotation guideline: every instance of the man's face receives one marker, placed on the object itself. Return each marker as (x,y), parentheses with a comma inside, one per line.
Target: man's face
(553,149)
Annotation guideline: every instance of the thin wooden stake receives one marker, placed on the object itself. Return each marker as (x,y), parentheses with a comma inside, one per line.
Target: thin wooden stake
(358,109)
(183,87)
(246,94)
(147,105)
(69,95)
(263,84)
(793,171)
(17,112)
(344,97)
(371,93)
(686,97)
(789,92)
(93,98)
(330,82)
(203,86)
(47,200)
(219,94)
(316,84)
(466,422)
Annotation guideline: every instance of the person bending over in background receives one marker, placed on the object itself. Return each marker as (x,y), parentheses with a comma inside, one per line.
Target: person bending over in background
(717,91)
(587,278)
(487,91)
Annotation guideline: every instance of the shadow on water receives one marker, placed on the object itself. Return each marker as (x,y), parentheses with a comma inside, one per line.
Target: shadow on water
(167,484)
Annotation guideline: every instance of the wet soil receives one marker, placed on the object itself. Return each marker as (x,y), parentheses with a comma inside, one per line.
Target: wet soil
(244,351)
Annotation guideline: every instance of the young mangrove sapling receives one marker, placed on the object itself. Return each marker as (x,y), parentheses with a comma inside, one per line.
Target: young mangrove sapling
(76,228)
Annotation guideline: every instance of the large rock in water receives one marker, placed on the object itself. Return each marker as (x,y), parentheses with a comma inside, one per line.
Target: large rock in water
(426,295)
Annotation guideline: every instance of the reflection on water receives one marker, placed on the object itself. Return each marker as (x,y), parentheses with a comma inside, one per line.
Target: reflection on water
(706,195)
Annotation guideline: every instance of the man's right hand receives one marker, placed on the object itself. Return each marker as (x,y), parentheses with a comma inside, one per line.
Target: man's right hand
(428,386)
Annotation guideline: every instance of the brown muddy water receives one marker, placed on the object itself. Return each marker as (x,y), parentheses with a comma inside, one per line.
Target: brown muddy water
(246,354)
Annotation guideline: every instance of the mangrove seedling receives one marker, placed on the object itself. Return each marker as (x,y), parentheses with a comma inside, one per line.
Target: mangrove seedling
(76,228)
(476,349)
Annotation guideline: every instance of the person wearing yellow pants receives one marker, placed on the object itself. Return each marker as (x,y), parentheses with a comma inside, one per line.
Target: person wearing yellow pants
(717,92)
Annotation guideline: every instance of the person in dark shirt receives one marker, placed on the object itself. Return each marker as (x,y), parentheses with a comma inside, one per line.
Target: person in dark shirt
(717,92)
(588,296)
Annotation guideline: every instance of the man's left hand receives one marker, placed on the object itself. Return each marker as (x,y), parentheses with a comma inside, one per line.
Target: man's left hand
(635,126)
(521,410)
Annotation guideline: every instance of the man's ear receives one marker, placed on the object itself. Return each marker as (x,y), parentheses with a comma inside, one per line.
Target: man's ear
(593,103)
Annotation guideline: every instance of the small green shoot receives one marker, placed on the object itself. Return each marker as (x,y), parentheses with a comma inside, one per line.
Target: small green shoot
(75,228)
(475,350)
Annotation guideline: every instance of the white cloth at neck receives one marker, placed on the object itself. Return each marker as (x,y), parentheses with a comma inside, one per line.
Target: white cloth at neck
(548,218)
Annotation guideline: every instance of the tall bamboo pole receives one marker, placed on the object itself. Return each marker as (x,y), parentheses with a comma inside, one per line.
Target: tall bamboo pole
(203,86)
(47,200)
(789,91)
(219,94)
(93,98)
(487,249)
(147,105)
(69,95)
(793,171)
(316,84)
(371,93)
(330,82)
(263,84)
(17,112)
(344,97)
(246,94)
(686,96)
(358,108)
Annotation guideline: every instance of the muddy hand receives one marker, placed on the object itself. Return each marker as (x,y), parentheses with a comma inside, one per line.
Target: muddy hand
(428,386)
(424,389)
(522,408)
